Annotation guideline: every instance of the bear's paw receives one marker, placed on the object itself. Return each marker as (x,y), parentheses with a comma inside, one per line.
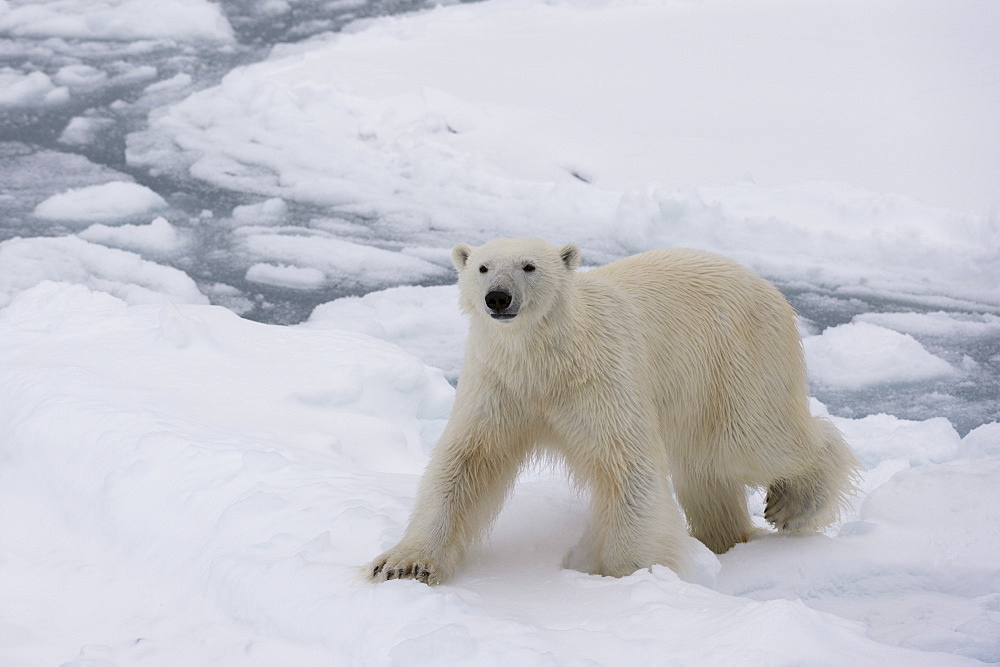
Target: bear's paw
(404,564)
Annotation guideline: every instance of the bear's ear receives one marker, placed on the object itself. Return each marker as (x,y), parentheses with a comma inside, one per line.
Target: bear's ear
(570,254)
(460,255)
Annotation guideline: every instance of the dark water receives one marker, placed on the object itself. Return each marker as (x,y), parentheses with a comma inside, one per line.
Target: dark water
(36,164)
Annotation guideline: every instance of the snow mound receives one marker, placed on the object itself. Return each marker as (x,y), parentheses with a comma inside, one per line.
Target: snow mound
(939,571)
(983,441)
(116,201)
(858,354)
(424,321)
(28,262)
(186,446)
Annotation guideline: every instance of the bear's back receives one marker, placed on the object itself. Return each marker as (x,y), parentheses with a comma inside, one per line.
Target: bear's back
(711,328)
(679,285)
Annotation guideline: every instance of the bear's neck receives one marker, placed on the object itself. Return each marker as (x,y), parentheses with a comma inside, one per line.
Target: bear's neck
(543,348)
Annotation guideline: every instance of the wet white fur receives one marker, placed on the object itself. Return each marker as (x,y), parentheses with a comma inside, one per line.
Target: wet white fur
(671,364)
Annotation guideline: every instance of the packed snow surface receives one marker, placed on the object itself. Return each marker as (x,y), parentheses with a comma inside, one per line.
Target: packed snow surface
(179,485)
(630,93)
(181,454)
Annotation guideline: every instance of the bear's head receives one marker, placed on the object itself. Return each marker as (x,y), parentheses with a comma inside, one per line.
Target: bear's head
(510,280)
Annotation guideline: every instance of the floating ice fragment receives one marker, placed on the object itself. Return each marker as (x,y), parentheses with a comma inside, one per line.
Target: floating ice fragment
(857,355)
(346,263)
(157,238)
(28,90)
(80,77)
(81,130)
(879,438)
(185,20)
(110,202)
(965,325)
(281,275)
(268,212)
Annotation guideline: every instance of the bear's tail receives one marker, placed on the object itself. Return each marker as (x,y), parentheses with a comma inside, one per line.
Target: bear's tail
(809,501)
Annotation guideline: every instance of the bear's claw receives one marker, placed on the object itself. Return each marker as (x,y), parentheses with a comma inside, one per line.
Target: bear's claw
(792,507)
(423,572)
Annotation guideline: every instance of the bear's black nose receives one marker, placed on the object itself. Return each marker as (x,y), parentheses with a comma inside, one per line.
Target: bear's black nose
(497,300)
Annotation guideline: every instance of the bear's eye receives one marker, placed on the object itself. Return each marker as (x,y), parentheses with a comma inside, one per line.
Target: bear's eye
(482,268)
(528,268)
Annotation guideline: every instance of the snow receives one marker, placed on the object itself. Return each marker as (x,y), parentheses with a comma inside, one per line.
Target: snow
(179,485)
(115,201)
(424,321)
(27,262)
(894,561)
(475,79)
(235,481)
(983,441)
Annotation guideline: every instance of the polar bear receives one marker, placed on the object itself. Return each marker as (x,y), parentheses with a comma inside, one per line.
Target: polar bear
(672,365)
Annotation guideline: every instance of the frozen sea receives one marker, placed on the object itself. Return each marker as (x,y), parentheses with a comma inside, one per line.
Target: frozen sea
(229,333)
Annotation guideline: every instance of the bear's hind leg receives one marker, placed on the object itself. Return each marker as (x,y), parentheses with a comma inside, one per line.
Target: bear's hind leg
(716,510)
(795,505)
(810,500)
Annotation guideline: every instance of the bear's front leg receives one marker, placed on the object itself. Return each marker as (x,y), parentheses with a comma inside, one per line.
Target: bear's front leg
(634,525)
(634,521)
(461,491)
